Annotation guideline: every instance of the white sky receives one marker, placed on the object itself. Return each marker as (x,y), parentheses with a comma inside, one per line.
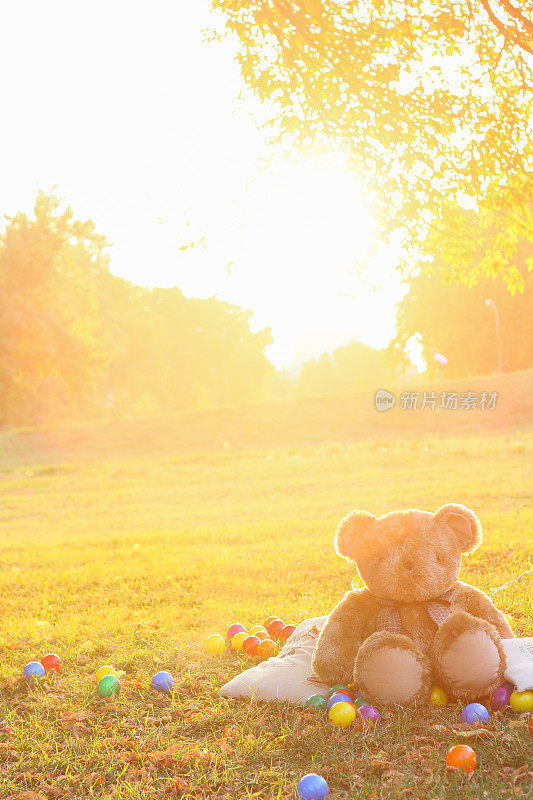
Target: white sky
(137,122)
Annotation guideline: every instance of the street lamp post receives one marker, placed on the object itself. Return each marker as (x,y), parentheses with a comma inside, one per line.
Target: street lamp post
(491,304)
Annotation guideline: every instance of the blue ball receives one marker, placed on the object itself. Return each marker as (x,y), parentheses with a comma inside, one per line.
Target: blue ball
(339,697)
(312,787)
(34,669)
(162,681)
(474,713)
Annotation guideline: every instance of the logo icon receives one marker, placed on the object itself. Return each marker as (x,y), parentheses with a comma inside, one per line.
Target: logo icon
(384,400)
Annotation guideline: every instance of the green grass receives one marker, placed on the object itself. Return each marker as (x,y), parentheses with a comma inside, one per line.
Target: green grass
(121,545)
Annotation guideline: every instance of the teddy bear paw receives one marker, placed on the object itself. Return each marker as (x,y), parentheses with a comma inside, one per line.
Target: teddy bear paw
(469,657)
(389,669)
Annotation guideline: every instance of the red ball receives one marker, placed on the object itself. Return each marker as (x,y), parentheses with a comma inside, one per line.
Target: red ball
(249,646)
(276,627)
(287,631)
(234,629)
(531,725)
(51,661)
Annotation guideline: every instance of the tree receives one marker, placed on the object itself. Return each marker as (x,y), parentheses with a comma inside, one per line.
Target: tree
(453,319)
(431,100)
(348,369)
(51,346)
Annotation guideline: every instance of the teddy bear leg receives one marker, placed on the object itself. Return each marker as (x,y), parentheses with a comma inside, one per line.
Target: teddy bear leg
(469,659)
(390,669)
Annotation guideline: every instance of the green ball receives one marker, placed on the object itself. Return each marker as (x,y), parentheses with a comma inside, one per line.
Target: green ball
(317,702)
(359,702)
(339,687)
(109,685)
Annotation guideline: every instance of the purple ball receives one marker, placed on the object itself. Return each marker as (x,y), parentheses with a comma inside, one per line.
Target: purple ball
(339,697)
(500,698)
(475,714)
(370,712)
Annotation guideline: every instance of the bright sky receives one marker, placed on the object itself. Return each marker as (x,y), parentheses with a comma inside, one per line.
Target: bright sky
(136,120)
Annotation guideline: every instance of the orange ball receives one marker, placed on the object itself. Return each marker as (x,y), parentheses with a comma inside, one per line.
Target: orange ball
(276,627)
(261,635)
(462,757)
(266,648)
(249,646)
(268,620)
(287,631)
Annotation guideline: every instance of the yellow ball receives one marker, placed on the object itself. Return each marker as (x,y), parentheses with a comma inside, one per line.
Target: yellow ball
(256,628)
(438,697)
(215,644)
(237,641)
(107,670)
(521,701)
(342,714)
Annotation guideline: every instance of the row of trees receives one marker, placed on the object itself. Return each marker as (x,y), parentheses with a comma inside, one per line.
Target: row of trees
(77,340)
(74,339)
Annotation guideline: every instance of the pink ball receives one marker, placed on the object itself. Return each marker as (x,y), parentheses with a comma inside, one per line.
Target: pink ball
(370,713)
(235,628)
(500,698)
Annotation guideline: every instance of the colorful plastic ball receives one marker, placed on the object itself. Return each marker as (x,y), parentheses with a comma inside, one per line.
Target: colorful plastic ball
(51,661)
(521,701)
(462,757)
(287,631)
(339,687)
(108,686)
(437,697)
(162,681)
(500,698)
(262,635)
(475,714)
(268,620)
(276,627)
(34,669)
(107,670)
(312,787)
(342,714)
(235,628)
(256,629)
(215,644)
(267,648)
(530,726)
(238,640)
(317,702)
(249,646)
(359,702)
(370,713)
(271,622)
(339,697)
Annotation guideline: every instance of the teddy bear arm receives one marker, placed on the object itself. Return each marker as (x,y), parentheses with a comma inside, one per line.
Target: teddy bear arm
(340,638)
(478,604)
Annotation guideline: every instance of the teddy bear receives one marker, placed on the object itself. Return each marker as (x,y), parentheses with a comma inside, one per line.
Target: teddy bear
(414,623)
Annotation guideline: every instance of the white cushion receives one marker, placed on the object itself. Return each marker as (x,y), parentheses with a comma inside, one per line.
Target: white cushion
(519,670)
(287,676)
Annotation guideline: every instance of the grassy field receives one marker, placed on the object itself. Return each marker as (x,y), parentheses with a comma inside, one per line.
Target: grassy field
(127,542)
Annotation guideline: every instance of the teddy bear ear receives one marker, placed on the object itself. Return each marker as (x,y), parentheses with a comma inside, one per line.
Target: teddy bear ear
(464,524)
(352,532)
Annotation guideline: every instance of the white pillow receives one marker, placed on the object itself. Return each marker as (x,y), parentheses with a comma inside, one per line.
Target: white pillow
(287,676)
(519,670)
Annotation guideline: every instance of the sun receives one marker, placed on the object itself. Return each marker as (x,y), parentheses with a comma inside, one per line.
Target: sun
(304,229)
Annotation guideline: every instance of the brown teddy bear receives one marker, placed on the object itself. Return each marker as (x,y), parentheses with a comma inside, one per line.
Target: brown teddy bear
(415,623)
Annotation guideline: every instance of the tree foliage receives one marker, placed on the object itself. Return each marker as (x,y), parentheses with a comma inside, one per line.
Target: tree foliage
(432,101)
(75,339)
(453,319)
(350,368)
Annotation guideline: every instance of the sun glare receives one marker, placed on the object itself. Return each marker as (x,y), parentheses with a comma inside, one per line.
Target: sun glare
(293,243)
